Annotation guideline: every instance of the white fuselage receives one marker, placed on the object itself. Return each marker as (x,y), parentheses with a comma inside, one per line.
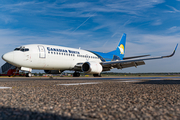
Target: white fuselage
(49,57)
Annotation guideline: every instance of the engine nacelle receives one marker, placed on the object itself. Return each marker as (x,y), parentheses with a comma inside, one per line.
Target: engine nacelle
(52,71)
(92,67)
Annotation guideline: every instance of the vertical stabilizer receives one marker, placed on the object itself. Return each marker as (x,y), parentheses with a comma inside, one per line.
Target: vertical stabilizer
(120,50)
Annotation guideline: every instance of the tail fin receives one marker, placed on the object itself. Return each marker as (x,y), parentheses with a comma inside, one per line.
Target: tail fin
(120,50)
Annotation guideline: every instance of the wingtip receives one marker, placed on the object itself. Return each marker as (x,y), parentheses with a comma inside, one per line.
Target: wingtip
(176,46)
(172,53)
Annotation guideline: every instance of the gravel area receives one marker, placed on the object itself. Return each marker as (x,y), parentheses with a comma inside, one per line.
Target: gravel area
(44,99)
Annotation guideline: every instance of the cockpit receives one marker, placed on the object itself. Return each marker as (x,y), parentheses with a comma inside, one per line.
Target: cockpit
(23,49)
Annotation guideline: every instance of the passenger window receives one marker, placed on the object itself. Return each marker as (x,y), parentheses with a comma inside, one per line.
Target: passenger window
(26,49)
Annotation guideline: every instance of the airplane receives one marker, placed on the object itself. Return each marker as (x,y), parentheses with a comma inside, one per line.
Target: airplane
(56,59)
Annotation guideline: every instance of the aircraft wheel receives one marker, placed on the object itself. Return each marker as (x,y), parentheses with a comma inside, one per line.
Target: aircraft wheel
(97,75)
(76,74)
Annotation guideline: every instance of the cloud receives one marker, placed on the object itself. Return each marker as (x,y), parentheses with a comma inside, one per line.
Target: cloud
(82,23)
(7,19)
(70,33)
(82,9)
(157,22)
(174,10)
(174,29)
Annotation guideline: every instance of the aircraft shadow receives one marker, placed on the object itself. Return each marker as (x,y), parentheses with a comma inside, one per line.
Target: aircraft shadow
(7,113)
(159,82)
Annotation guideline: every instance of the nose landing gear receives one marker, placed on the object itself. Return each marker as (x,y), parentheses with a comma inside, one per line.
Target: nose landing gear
(28,74)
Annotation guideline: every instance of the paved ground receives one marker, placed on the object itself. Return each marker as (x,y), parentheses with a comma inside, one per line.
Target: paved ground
(90,98)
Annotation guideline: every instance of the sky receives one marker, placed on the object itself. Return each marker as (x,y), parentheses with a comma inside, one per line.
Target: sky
(152,27)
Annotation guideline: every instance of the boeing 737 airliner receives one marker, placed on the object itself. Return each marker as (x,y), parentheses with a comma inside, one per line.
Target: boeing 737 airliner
(56,59)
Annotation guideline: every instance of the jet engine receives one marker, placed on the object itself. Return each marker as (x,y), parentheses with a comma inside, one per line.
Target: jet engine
(52,71)
(92,67)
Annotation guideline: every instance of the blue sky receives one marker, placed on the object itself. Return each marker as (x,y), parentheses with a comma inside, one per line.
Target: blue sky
(152,27)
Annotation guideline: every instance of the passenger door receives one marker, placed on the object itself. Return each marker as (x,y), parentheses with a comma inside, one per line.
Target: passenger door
(42,52)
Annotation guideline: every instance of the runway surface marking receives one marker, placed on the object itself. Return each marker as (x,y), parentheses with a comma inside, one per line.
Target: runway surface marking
(80,83)
(131,81)
(5,87)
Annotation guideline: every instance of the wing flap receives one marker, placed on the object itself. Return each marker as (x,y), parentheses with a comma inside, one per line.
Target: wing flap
(132,64)
(128,64)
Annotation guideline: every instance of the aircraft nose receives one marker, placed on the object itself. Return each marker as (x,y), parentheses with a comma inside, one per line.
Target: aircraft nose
(8,57)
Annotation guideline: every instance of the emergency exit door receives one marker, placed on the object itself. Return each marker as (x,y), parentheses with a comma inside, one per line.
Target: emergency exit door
(42,52)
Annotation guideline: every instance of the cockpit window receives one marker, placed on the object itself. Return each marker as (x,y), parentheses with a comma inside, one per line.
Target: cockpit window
(16,49)
(23,49)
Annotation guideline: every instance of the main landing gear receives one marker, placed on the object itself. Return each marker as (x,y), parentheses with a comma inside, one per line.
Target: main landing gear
(97,75)
(28,74)
(76,74)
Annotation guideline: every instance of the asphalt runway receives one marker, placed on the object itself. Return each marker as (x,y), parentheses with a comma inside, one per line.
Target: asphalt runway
(86,78)
(89,98)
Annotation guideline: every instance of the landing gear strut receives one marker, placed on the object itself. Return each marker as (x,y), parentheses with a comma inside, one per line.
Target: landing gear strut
(28,74)
(97,75)
(76,74)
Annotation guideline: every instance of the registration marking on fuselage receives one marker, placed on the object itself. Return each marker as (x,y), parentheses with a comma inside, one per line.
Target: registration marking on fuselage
(80,83)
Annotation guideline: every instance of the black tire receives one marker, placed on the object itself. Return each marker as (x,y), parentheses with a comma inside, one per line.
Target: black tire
(27,75)
(97,75)
(76,74)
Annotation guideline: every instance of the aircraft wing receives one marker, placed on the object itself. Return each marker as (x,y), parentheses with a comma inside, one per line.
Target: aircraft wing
(132,62)
(125,58)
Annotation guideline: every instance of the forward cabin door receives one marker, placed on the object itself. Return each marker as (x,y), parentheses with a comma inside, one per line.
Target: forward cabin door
(42,52)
